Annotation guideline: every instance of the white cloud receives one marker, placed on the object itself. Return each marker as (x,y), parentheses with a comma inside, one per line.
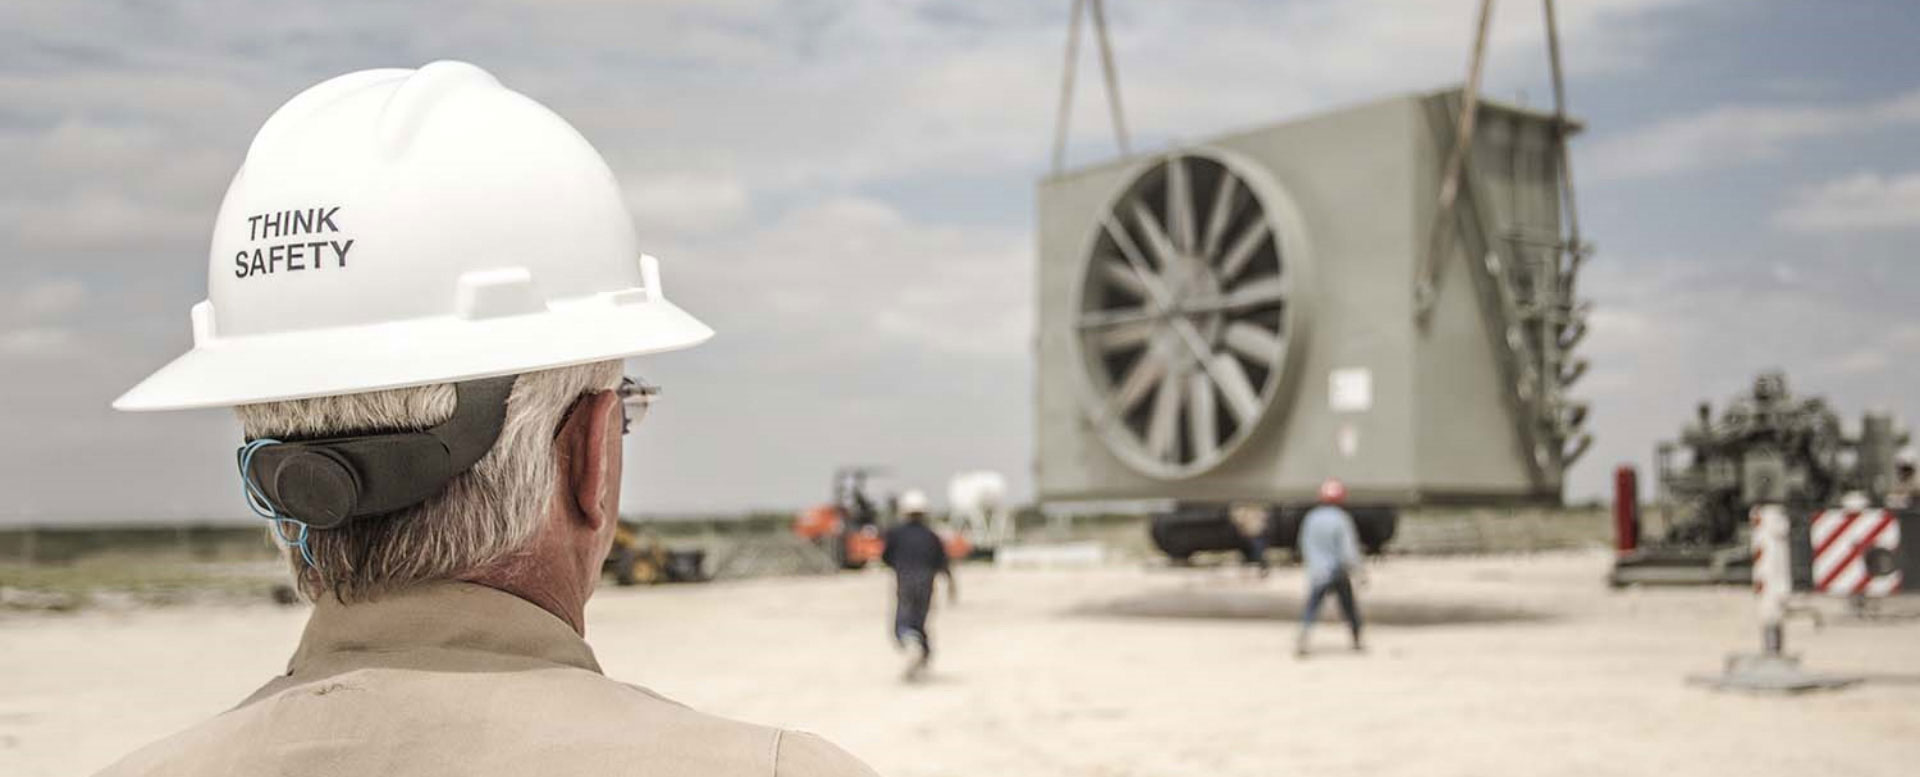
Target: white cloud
(784,99)
(105,219)
(38,343)
(46,298)
(1905,336)
(1860,362)
(828,182)
(1874,356)
(882,91)
(172,96)
(680,202)
(850,268)
(1730,135)
(1862,202)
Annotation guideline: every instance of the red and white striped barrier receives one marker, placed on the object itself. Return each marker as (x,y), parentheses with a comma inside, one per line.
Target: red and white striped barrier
(1772,570)
(1842,542)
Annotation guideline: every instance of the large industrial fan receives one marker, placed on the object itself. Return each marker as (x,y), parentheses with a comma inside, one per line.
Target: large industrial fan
(1187,308)
(1237,319)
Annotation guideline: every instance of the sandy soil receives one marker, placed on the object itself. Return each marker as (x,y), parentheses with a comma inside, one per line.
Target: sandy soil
(1495,665)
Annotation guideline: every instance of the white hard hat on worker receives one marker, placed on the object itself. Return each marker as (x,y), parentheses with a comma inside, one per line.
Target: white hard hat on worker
(395,228)
(913,502)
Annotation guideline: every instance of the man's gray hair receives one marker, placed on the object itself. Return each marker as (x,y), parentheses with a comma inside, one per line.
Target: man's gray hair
(481,518)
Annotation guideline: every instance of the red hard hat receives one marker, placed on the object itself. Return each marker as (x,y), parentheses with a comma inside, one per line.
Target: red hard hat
(1333,492)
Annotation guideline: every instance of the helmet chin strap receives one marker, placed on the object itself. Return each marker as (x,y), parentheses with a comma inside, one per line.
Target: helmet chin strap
(324,483)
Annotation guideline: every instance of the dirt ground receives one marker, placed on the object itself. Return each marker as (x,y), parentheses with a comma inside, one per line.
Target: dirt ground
(1478,666)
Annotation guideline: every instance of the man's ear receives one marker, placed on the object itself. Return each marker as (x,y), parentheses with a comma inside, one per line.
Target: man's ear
(587,446)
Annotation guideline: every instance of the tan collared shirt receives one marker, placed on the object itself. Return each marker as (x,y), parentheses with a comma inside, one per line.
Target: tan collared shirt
(460,679)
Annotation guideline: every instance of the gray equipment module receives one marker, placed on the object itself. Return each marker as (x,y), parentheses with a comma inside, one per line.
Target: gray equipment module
(1768,446)
(1236,320)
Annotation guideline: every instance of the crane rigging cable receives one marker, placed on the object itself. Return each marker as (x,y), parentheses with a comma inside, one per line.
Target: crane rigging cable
(1111,76)
(1572,214)
(1439,235)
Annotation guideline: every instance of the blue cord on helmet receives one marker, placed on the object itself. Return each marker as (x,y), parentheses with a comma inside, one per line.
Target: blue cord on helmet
(261,506)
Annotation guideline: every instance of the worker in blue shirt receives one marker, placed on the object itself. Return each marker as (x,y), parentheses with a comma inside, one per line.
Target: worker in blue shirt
(1330,547)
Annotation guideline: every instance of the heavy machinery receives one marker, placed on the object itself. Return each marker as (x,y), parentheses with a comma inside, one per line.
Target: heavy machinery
(1766,446)
(850,528)
(640,557)
(847,528)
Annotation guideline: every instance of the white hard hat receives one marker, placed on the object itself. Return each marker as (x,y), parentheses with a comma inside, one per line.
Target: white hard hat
(913,501)
(396,228)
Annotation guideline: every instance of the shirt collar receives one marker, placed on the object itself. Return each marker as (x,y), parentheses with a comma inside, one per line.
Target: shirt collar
(456,616)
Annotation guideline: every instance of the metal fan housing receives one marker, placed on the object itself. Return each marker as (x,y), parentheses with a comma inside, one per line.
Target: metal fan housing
(1190,305)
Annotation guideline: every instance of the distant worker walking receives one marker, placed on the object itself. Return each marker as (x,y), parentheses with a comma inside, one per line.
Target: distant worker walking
(1330,546)
(917,556)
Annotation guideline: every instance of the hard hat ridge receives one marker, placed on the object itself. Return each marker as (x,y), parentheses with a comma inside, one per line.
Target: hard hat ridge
(291,116)
(419,94)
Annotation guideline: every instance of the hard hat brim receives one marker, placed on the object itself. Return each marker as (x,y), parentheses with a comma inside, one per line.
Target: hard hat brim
(232,371)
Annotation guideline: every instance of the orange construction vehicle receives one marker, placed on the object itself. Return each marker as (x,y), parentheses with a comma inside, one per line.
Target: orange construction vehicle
(849,527)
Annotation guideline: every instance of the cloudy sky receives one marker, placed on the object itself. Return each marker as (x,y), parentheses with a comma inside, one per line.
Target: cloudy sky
(844,188)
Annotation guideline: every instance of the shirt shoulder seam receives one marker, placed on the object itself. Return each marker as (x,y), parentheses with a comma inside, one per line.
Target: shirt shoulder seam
(778,735)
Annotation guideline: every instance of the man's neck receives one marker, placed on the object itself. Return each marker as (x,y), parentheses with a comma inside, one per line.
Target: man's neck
(542,584)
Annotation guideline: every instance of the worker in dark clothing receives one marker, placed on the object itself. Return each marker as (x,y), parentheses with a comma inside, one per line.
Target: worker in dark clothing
(917,556)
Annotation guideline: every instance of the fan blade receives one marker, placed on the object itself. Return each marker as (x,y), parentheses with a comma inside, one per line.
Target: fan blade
(1123,337)
(1242,251)
(1252,341)
(1180,204)
(1165,421)
(1115,317)
(1122,276)
(1124,241)
(1243,401)
(1141,377)
(1224,205)
(1157,240)
(1265,291)
(1200,417)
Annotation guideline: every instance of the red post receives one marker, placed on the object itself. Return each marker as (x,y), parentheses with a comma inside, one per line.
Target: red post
(1626,509)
